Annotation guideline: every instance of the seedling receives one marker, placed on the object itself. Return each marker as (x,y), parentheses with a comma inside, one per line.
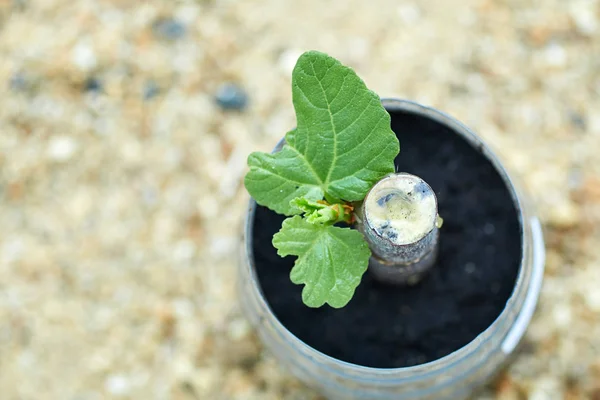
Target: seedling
(341,148)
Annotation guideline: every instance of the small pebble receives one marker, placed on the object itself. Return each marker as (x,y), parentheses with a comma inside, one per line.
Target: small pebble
(409,13)
(578,121)
(470,268)
(546,388)
(184,250)
(562,315)
(238,329)
(151,90)
(149,196)
(93,85)
(222,246)
(489,229)
(18,82)
(61,148)
(183,308)
(117,385)
(592,298)
(168,28)
(564,215)
(12,250)
(206,378)
(230,96)
(84,56)
(585,18)
(555,55)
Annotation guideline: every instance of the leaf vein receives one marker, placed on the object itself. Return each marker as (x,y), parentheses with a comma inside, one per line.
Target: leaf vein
(331,166)
(365,138)
(309,100)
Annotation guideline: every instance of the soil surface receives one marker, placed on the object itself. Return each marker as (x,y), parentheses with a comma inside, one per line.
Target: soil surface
(386,326)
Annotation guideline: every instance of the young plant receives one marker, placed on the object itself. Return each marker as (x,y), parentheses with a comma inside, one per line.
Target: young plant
(342,146)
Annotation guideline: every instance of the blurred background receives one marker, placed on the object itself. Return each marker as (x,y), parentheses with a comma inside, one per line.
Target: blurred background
(124,131)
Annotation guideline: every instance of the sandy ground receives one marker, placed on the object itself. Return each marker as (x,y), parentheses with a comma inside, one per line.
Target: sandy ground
(120,194)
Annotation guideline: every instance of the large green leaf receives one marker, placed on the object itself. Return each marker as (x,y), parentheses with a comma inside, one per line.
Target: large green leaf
(342,146)
(331,260)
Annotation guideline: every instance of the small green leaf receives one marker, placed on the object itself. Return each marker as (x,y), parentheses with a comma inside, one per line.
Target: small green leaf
(321,212)
(342,146)
(307,206)
(331,260)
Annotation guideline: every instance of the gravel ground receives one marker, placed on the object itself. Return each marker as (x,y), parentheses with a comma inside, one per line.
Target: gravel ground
(124,130)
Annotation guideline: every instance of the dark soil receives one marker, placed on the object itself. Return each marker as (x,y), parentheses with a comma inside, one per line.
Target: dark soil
(385,326)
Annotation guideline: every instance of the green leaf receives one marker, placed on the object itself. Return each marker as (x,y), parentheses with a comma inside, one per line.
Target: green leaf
(342,146)
(276,179)
(331,260)
(321,212)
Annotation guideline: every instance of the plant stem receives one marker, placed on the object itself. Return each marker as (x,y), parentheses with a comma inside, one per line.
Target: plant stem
(399,219)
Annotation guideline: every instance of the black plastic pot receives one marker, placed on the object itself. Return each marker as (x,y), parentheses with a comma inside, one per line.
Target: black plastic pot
(447,335)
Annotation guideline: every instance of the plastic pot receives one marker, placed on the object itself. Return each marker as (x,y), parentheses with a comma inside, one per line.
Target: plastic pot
(453,376)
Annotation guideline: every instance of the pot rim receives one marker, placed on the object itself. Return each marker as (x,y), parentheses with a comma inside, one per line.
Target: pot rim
(528,225)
